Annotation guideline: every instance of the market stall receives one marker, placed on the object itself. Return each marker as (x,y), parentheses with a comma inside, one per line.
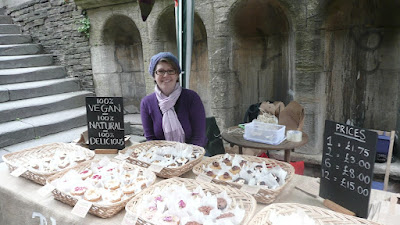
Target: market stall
(20,201)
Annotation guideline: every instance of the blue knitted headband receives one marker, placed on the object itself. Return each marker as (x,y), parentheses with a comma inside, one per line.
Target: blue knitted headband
(156,58)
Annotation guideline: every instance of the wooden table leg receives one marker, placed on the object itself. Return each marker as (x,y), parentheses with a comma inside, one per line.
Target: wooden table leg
(240,150)
(287,155)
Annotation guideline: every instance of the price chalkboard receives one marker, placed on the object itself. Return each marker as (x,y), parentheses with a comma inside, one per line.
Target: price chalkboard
(105,121)
(347,166)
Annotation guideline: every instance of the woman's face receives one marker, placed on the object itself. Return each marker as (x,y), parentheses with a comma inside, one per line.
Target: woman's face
(165,82)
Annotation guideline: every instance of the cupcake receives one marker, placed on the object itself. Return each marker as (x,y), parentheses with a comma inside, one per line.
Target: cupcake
(112,184)
(211,174)
(225,215)
(221,203)
(92,195)
(225,177)
(235,170)
(85,174)
(240,181)
(227,162)
(78,190)
(128,189)
(114,196)
(205,209)
(215,166)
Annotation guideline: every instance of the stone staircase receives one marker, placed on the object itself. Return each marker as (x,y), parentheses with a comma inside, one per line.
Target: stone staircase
(36,97)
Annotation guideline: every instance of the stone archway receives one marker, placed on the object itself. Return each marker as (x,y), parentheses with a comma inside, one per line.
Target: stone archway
(361,63)
(119,63)
(166,41)
(260,52)
(199,78)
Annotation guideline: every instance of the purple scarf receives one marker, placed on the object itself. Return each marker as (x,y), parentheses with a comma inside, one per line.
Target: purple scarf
(171,126)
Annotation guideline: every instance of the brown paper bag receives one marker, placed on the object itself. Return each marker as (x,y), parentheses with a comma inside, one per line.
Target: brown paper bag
(292,116)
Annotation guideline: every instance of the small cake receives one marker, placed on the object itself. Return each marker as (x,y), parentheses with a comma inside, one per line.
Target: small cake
(140,178)
(205,209)
(182,160)
(143,186)
(235,170)
(136,152)
(211,174)
(193,156)
(171,219)
(221,203)
(79,158)
(78,191)
(215,166)
(112,184)
(63,155)
(193,223)
(258,167)
(168,156)
(243,162)
(261,183)
(33,165)
(148,155)
(227,162)
(63,164)
(85,174)
(172,165)
(115,196)
(182,204)
(225,177)
(225,215)
(240,180)
(92,195)
(156,161)
(127,177)
(96,178)
(128,189)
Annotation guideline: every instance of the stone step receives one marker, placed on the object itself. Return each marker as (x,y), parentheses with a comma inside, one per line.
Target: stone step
(5,19)
(20,49)
(12,62)
(8,39)
(66,136)
(18,91)
(17,110)
(11,76)
(10,29)
(2,11)
(35,127)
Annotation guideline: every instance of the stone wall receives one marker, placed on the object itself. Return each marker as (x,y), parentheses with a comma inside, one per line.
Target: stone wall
(54,24)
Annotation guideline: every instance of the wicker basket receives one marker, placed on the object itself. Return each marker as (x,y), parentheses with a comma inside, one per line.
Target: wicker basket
(239,198)
(100,210)
(320,215)
(15,160)
(264,195)
(165,172)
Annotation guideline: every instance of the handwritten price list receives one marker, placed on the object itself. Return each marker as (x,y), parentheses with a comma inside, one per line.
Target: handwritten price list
(105,119)
(347,166)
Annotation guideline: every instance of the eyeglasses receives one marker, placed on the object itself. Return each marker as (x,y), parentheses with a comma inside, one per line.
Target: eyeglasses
(162,72)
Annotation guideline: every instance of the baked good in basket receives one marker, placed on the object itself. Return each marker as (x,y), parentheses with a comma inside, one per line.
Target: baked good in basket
(187,201)
(46,160)
(265,177)
(110,186)
(173,158)
(295,213)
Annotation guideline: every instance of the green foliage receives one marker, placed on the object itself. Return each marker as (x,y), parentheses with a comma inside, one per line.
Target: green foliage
(85,26)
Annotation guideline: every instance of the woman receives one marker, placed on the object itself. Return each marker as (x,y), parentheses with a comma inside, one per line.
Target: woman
(171,112)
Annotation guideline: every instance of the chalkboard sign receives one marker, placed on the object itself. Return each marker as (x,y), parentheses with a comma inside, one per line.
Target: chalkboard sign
(105,121)
(347,166)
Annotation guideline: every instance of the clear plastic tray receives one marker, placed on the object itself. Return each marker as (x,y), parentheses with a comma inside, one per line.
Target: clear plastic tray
(267,133)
